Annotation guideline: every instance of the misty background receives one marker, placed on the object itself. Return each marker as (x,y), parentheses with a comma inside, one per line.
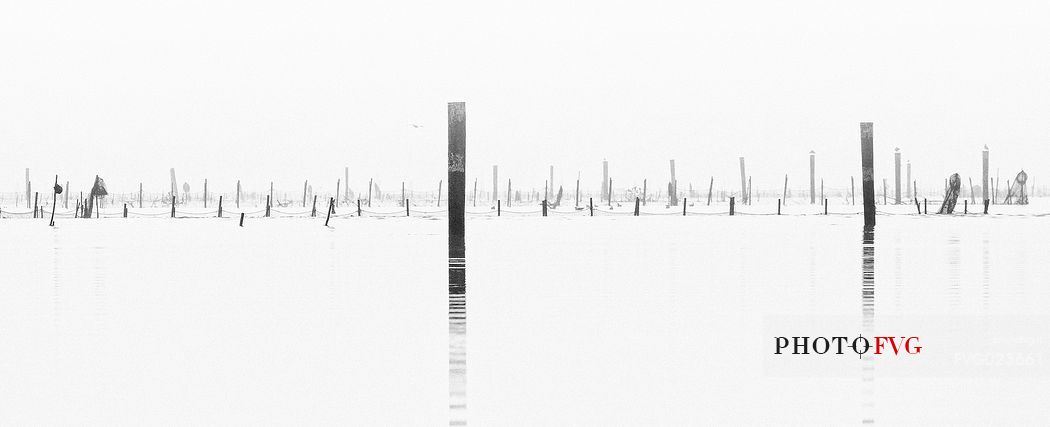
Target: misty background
(288,91)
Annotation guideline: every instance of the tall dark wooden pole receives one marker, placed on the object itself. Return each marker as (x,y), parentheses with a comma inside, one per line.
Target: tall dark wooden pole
(457,263)
(867,165)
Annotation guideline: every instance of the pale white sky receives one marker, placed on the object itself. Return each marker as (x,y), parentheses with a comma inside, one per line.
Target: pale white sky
(261,90)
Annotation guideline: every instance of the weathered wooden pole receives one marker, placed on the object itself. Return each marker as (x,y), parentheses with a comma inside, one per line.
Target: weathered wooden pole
(508,192)
(29,188)
(911,192)
(242,219)
(36,200)
(140,195)
(269,197)
(439,193)
(684,200)
(76,212)
(852,193)
(54,201)
(369,192)
(784,194)
(550,193)
(605,179)
(867,166)
(590,203)
(925,207)
(473,199)
(346,179)
(984,174)
(220,206)
(966,206)
(65,204)
(812,177)
(267,206)
(306,184)
(710,187)
(918,209)
(743,182)
(672,188)
(358,207)
(174,183)
(205,193)
(406,208)
(732,206)
(173,206)
(973,197)
(749,189)
(577,191)
(338,182)
(897,176)
(331,205)
(822,189)
(495,183)
(645,185)
(313,209)
(778,206)
(238,200)
(125,210)
(610,192)
(544,203)
(825,206)
(637,202)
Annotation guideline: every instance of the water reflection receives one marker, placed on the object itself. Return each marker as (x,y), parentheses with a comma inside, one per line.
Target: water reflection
(868,322)
(457,341)
(954,275)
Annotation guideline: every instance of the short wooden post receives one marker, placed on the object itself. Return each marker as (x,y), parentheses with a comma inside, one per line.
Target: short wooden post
(732,206)
(205,194)
(220,206)
(986,206)
(498,207)
(76,212)
(267,206)
(242,219)
(406,207)
(125,210)
(590,202)
(36,208)
(966,205)
(918,209)
(544,207)
(636,202)
(778,206)
(305,184)
(684,200)
(825,206)
(925,207)
(140,195)
(358,207)
(331,203)
(173,206)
